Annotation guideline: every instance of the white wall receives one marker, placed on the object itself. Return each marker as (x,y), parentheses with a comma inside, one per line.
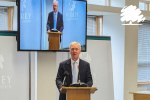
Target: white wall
(100,59)
(113,27)
(143,87)
(48,63)
(46,75)
(60,56)
(130,62)
(33,75)
(124,54)
(14,71)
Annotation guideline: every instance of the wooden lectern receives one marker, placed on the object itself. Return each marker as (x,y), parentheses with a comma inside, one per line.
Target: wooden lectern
(54,40)
(141,95)
(78,93)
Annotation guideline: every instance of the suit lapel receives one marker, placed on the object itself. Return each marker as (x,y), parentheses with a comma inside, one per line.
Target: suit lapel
(68,64)
(81,67)
(57,20)
(53,19)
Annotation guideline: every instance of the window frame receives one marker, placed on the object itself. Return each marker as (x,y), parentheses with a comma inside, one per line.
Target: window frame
(139,62)
(147,4)
(97,24)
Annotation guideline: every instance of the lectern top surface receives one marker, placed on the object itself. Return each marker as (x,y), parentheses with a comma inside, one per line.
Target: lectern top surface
(92,89)
(53,32)
(141,92)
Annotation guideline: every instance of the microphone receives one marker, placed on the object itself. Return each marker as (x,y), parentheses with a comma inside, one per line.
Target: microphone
(65,74)
(78,84)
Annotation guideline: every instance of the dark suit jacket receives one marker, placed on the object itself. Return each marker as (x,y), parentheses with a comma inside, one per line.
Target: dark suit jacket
(84,71)
(50,21)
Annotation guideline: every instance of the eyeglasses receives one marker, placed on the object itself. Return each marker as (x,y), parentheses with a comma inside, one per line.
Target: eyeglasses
(74,49)
(54,5)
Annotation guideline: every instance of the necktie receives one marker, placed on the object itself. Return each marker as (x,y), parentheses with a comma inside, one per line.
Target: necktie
(74,73)
(55,20)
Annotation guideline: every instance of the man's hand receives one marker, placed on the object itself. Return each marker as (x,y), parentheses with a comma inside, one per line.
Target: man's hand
(58,31)
(49,31)
(60,89)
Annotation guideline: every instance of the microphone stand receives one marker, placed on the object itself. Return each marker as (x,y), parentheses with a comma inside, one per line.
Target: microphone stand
(79,76)
(64,81)
(79,83)
(66,74)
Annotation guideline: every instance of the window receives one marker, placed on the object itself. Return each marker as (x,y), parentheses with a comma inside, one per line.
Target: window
(144,5)
(100,25)
(6,18)
(91,25)
(10,18)
(3,18)
(95,25)
(97,2)
(144,52)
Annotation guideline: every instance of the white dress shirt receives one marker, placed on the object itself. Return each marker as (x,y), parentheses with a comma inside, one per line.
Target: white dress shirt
(76,65)
(56,17)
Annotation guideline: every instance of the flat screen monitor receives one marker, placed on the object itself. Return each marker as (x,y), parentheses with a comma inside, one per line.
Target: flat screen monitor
(51,25)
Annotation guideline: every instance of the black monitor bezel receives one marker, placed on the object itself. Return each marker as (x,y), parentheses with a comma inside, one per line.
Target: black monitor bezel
(18,44)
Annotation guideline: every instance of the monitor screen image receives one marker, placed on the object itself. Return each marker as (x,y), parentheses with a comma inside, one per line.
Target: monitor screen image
(51,25)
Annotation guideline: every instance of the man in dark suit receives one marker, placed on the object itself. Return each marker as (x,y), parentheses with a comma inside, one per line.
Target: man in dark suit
(55,19)
(71,66)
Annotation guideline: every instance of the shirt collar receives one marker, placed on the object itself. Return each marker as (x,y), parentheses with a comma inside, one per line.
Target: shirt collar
(56,12)
(72,61)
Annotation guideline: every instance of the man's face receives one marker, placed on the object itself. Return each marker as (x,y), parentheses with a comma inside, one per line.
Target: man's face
(75,51)
(55,6)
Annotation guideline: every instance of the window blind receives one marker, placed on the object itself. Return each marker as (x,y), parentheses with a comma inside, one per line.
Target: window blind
(142,6)
(3,18)
(144,52)
(97,2)
(91,26)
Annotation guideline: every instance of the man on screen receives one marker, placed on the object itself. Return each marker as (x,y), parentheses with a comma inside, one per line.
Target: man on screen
(55,19)
(75,67)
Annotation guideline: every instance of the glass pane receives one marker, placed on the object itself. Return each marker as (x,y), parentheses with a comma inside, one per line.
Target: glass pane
(3,18)
(97,2)
(144,52)
(91,26)
(117,3)
(142,6)
(100,27)
(8,16)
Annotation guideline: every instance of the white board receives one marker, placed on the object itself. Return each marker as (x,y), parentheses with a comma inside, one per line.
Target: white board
(14,71)
(99,56)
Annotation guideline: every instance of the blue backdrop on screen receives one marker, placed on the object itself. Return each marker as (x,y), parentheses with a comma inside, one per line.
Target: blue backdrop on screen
(47,7)
(33,20)
(74,16)
(30,24)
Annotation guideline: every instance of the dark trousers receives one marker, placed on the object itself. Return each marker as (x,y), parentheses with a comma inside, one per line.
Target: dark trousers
(62,96)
